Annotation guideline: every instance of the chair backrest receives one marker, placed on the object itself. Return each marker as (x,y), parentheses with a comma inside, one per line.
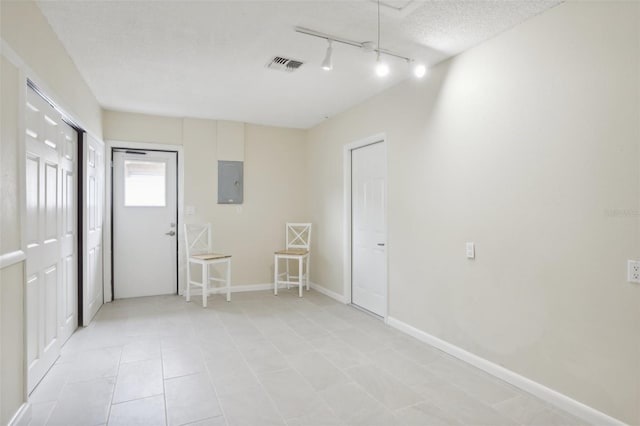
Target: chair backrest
(197,238)
(298,236)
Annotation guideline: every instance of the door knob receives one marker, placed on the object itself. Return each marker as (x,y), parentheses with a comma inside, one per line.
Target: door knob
(170,233)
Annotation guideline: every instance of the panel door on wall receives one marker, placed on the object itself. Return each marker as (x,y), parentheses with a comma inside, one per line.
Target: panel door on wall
(93,189)
(369,229)
(145,218)
(50,180)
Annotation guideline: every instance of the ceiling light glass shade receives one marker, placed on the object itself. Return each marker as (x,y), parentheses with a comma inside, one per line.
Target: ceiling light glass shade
(382,69)
(419,70)
(326,63)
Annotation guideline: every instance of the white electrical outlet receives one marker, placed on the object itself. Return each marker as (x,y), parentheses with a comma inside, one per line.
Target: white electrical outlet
(633,271)
(471,250)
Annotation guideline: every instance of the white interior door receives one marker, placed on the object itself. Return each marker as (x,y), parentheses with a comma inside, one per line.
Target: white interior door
(51,293)
(369,228)
(68,302)
(145,219)
(93,217)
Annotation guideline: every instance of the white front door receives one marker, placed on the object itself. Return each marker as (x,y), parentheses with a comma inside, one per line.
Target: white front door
(369,228)
(145,223)
(93,215)
(51,231)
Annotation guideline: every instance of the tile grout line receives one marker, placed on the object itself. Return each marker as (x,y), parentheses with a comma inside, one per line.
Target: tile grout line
(115,384)
(331,334)
(224,416)
(255,375)
(164,389)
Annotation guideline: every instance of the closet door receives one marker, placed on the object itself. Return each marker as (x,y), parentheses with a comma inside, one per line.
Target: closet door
(369,228)
(93,189)
(51,228)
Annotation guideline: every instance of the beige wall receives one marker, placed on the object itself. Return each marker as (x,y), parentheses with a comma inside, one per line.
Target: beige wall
(131,127)
(527,145)
(27,32)
(11,277)
(35,53)
(12,385)
(275,184)
(9,214)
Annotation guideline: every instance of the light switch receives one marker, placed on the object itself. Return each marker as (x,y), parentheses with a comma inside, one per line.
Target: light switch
(189,210)
(471,250)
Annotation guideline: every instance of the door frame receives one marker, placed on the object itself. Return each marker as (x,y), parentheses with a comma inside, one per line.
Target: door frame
(347,216)
(108,236)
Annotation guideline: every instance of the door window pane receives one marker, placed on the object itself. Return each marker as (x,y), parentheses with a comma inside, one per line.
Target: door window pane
(145,183)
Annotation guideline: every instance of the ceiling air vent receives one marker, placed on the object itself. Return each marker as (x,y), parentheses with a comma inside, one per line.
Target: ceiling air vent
(284,64)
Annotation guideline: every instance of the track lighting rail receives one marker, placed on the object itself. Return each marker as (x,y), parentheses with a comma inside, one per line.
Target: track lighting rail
(363,45)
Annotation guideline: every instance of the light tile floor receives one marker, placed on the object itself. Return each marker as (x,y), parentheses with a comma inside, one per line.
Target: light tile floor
(266,360)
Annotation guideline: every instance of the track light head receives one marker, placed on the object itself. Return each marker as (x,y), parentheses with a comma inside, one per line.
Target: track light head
(382,69)
(419,70)
(327,64)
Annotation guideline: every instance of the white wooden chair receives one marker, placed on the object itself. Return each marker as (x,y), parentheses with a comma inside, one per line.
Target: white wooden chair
(198,248)
(298,238)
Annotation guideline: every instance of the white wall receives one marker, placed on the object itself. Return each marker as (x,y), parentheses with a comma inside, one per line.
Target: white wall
(11,275)
(275,184)
(527,145)
(28,33)
(33,52)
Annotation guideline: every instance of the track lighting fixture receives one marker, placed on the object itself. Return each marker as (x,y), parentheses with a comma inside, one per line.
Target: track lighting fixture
(382,69)
(326,63)
(419,69)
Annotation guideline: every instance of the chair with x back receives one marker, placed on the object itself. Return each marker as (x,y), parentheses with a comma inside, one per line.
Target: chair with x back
(198,248)
(298,239)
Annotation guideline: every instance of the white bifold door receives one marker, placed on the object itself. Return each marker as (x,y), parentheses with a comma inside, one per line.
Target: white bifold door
(93,218)
(145,223)
(369,228)
(51,234)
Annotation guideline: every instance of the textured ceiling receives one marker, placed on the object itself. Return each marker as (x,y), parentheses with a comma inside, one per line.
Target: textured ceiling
(207,58)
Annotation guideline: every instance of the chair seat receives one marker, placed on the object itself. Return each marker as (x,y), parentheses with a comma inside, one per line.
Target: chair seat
(210,256)
(293,252)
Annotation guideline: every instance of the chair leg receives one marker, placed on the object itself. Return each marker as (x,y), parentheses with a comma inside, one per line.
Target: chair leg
(275,275)
(205,284)
(308,276)
(188,289)
(229,280)
(288,274)
(300,279)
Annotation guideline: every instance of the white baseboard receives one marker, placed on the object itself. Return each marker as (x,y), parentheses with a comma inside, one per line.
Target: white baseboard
(22,417)
(332,294)
(551,396)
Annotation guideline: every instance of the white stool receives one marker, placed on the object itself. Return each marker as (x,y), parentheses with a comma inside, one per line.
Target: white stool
(198,247)
(298,238)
